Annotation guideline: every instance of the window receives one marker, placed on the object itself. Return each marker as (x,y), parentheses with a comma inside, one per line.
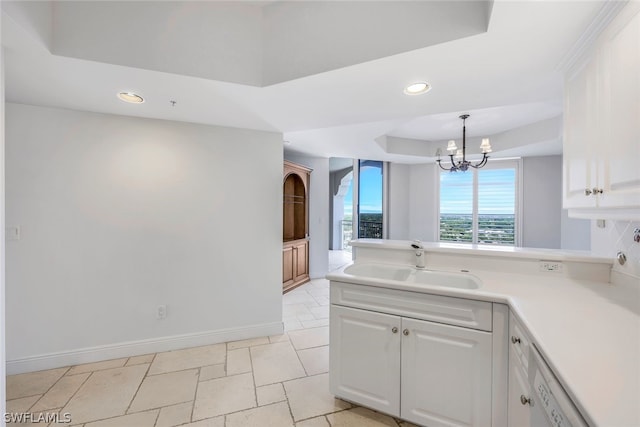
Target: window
(480,205)
(370,206)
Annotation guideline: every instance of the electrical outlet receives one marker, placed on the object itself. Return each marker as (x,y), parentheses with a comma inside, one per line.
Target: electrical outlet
(553,266)
(162,312)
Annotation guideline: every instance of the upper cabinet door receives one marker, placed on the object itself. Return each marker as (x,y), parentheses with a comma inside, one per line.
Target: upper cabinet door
(580,130)
(602,124)
(619,55)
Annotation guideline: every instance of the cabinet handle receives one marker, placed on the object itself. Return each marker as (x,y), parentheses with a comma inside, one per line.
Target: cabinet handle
(515,340)
(405,332)
(525,400)
(597,191)
(394,330)
(587,192)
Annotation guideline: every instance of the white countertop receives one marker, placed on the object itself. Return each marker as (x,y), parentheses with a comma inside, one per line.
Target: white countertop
(588,332)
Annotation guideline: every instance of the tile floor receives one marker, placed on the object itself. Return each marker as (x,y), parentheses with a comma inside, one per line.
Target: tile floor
(275,381)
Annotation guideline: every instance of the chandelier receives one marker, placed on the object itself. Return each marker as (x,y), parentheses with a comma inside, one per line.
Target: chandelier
(459,160)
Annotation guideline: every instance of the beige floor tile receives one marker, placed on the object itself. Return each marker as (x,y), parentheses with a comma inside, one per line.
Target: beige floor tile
(175,415)
(165,389)
(361,417)
(295,310)
(308,324)
(321,312)
(97,366)
(61,392)
(274,363)
(189,358)
(292,325)
(238,361)
(268,394)
(319,292)
(296,297)
(211,372)
(139,360)
(247,343)
(323,301)
(278,338)
(211,422)
(407,424)
(315,360)
(314,422)
(312,303)
(310,397)
(142,419)
(223,396)
(32,383)
(275,415)
(106,394)
(22,404)
(309,338)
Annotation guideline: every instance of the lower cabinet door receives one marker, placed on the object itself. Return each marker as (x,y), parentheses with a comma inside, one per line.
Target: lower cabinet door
(446,375)
(519,394)
(365,358)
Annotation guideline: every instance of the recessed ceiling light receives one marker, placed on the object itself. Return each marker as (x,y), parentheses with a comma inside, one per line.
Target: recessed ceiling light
(417,88)
(131,97)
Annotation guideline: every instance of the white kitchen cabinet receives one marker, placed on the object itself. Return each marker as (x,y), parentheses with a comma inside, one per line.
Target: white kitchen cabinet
(519,393)
(619,55)
(519,404)
(580,137)
(425,372)
(446,375)
(601,148)
(365,358)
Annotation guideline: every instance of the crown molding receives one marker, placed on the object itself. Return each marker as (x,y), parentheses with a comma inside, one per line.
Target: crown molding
(585,42)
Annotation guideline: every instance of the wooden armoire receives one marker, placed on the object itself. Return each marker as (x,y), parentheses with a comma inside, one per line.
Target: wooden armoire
(295,226)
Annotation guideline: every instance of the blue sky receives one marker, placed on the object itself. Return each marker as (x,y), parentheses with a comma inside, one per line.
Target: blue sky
(370,192)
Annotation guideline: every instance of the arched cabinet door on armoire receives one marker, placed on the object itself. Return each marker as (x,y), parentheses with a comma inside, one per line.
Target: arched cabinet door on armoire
(295,226)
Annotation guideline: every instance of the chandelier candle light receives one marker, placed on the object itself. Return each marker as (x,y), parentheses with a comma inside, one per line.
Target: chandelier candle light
(459,160)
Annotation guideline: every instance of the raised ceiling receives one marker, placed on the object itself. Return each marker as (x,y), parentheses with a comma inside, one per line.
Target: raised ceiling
(327,74)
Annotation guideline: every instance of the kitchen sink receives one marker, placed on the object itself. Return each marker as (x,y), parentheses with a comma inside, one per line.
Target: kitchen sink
(414,275)
(380,271)
(445,278)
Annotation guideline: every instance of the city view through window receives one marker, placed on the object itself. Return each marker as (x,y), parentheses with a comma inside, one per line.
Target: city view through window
(478,206)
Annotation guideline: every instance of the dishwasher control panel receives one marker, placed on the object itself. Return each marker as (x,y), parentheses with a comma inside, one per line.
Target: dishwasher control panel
(551,407)
(545,399)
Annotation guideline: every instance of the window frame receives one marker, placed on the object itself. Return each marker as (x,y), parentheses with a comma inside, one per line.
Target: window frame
(507,163)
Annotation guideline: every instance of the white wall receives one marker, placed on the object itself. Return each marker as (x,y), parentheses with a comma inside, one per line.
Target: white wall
(119,215)
(423,202)
(2,247)
(576,233)
(318,212)
(399,198)
(544,223)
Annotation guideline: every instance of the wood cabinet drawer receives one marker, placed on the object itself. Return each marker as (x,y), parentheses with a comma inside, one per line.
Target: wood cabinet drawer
(451,311)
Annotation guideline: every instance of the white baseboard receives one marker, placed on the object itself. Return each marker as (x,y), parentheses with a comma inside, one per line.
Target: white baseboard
(136,348)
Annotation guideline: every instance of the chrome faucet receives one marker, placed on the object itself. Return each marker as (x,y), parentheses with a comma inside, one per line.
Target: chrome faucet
(417,245)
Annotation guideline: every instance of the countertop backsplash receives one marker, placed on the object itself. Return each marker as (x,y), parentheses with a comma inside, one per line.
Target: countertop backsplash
(614,237)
